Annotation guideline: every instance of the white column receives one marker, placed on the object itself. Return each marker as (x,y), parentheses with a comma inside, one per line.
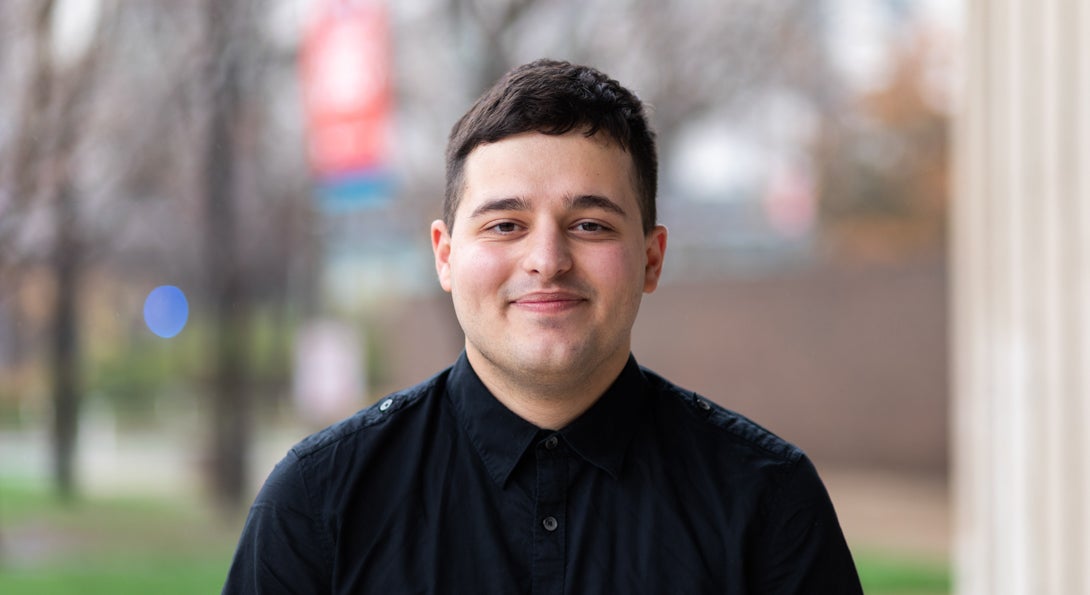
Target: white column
(1021,299)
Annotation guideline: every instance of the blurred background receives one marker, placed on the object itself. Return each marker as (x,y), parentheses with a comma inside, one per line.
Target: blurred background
(214,241)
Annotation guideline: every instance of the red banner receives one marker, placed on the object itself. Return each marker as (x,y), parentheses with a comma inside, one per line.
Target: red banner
(345,66)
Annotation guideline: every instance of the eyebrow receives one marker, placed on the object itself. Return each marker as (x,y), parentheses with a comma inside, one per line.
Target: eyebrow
(593,201)
(501,204)
(582,201)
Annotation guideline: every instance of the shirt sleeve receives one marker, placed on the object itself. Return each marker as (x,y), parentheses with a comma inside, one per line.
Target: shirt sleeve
(802,548)
(283,548)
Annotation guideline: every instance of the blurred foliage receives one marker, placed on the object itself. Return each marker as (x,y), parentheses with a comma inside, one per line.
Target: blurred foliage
(136,374)
(133,380)
(11,404)
(885,164)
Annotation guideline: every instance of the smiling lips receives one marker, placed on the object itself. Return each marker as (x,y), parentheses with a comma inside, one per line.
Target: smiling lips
(545,302)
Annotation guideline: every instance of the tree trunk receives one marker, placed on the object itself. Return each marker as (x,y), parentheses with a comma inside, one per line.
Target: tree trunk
(65,346)
(231,406)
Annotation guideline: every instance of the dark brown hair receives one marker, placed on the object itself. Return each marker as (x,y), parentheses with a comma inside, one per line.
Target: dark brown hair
(555,98)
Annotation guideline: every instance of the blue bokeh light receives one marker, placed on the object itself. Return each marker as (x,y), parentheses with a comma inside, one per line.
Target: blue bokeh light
(166,311)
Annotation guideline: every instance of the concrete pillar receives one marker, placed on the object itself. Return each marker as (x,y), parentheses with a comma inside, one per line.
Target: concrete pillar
(1021,298)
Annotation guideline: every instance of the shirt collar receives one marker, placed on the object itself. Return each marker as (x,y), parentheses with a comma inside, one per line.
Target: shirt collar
(499,435)
(600,435)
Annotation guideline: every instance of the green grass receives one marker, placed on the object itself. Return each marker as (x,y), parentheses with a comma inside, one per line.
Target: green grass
(109,545)
(117,546)
(159,574)
(891,574)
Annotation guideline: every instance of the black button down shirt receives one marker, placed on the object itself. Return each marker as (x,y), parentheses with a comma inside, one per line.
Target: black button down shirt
(442,489)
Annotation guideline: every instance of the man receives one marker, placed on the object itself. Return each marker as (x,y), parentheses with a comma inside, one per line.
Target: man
(545,460)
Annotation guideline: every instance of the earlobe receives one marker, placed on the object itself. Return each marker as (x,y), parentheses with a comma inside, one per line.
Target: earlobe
(656,253)
(440,247)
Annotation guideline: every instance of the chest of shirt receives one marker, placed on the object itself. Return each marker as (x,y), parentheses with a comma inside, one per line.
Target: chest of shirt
(558,524)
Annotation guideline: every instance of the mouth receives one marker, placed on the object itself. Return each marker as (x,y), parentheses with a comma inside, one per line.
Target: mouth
(546,302)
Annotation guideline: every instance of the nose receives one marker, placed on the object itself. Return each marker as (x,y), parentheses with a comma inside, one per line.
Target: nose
(547,253)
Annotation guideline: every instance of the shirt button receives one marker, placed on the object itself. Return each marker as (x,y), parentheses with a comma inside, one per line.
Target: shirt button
(551,442)
(385,404)
(703,404)
(549,523)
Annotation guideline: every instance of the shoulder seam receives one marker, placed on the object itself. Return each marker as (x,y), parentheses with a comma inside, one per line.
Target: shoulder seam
(713,414)
(375,414)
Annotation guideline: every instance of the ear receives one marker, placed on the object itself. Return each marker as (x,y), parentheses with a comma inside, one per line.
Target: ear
(656,252)
(440,246)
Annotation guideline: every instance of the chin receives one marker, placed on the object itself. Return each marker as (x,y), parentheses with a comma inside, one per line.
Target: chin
(553,360)
(546,366)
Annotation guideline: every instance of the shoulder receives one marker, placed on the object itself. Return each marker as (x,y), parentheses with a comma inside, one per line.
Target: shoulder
(323,473)
(404,406)
(716,425)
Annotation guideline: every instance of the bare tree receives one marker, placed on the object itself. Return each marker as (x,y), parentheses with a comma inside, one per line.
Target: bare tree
(151,154)
(75,84)
(44,174)
(231,403)
(27,144)
(686,59)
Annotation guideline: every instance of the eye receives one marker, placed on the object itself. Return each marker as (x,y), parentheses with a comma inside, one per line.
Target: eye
(504,227)
(590,226)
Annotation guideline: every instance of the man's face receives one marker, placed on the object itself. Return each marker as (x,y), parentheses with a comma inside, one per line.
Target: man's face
(547,261)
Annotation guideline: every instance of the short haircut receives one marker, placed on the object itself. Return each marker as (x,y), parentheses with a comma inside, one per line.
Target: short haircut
(555,98)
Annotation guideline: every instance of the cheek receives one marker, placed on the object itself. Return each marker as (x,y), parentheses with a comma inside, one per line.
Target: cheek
(620,267)
(475,271)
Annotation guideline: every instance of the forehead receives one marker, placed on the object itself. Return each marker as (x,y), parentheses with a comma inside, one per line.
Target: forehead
(537,166)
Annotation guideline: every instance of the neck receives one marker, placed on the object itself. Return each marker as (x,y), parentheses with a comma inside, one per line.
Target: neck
(548,403)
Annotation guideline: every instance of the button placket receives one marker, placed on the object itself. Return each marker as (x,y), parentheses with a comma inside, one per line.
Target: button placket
(550,504)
